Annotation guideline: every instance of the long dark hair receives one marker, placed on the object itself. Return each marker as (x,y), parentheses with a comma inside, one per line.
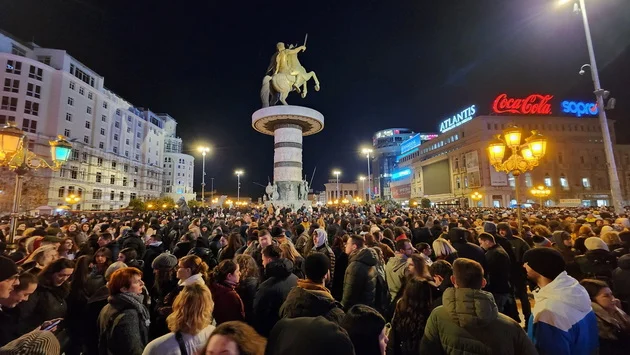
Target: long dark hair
(221,271)
(233,244)
(80,277)
(412,311)
(45,276)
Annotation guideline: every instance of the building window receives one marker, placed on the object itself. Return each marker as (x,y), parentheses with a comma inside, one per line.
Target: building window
(458,183)
(29,125)
(71,85)
(132,196)
(90,95)
(122,195)
(564,183)
(18,50)
(99,162)
(112,179)
(81,90)
(104,118)
(126,168)
(12,85)
(127,141)
(9,103)
(116,150)
(81,75)
(104,104)
(138,134)
(97,194)
(84,157)
(70,101)
(126,153)
(45,59)
(61,192)
(87,124)
(14,67)
(89,109)
(547,180)
(6,119)
(102,131)
(117,124)
(137,145)
(31,108)
(116,136)
(118,111)
(66,132)
(35,73)
(99,177)
(125,182)
(135,182)
(112,195)
(586,183)
(74,172)
(68,117)
(101,145)
(34,90)
(86,139)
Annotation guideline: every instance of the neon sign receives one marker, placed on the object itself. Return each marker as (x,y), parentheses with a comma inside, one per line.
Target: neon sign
(410,143)
(427,137)
(580,108)
(534,104)
(458,119)
(401,174)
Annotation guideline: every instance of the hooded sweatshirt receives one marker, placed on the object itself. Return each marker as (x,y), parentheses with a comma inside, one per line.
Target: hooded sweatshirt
(395,273)
(562,320)
(359,282)
(469,323)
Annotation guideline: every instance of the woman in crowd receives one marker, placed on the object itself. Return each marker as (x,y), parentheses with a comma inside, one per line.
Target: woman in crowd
(223,281)
(40,258)
(235,338)
(229,250)
(124,322)
(190,323)
(410,317)
(129,256)
(444,250)
(614,243)
(67,249)
(248,284)
(366,328)
(612,322)
(101,261)
(417,267)
(77,303)
(290,253)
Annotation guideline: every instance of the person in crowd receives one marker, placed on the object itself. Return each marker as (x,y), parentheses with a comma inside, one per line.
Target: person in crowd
(444,250)
(124,321)
(185,244)
(410,317)
(9,276)
(49,300)
(290,253)
(129,256)
(133,239)
(359,285)
(584,232)
(366,328)
(80,291)
(235,338)
(106,240)
(255,249)
(498,271)
(223,281)
(371,241)
(424,249)
(68,249)
(311,298)
(416,267)
(274,290)
(455,327)
(464,248)
(154,247)
(598,262)
(320,245)
(190,323)
(621,281)
(562,321)
(395,269)
(234,243)
(613,323)
(101,260)
(37,342)
(23,286)
(40,258)
(302,239)
(614,243)
(305,336)
(515,247)
(248,284)
(441,272)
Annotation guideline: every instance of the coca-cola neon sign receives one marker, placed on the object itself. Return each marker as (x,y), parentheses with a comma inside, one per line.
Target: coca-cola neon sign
(534,104)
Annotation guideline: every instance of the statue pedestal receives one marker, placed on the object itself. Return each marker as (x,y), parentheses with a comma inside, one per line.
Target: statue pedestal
(288,124)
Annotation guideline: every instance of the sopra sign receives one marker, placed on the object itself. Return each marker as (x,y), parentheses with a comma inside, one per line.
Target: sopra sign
(458,119)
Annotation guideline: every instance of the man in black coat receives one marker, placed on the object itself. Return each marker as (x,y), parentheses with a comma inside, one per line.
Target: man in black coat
(497,271)
(134,239)
(274,290)
(154,248)
(359,282)
(457,237)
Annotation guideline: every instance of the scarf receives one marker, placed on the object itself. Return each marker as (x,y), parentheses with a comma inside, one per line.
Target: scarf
(133,301)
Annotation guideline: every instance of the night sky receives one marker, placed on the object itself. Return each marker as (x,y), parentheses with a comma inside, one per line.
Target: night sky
(382,64)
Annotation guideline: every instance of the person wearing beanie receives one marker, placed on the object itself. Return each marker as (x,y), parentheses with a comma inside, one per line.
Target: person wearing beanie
(308,336)
(37,342)
(562,321)
(598,262)
(8,276)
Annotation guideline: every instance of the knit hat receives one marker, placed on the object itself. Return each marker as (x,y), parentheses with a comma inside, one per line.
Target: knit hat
(164,261)
(546,261)
(594,243)
(304,336)
(7,268)
(37,342)
(113,267)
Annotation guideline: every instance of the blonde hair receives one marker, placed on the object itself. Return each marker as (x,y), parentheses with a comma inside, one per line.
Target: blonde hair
(289,252)
(39,253)
(442,247)
(192,310)
(611,238)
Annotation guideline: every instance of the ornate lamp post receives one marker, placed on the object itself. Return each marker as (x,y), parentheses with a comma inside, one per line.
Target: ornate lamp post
(204,151)
(531,152)
(15,155)
(476,196)
(73,200)
(541,192)
(367,152)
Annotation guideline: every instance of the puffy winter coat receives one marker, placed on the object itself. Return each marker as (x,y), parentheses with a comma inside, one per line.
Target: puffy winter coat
(309,299)
(621,281)
(228,305)
(598,263)
(395,274)
(359,283)
(272,293)
(468,322)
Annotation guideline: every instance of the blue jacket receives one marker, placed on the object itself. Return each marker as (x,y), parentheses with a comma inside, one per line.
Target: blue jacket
(562,321)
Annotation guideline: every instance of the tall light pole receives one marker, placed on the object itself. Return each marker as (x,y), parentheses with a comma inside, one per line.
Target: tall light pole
(238,181)
(211,190)
(204,151)
(337,173)
(367,152)
(615,187)
(362,179)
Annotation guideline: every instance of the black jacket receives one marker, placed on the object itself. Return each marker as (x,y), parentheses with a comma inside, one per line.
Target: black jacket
(621,281)
(498,270)
(597,263)
(94,307)
(359,283)
(246,289)
(306,301)
(133,240)
(46,303)
(151,253)
(272,293)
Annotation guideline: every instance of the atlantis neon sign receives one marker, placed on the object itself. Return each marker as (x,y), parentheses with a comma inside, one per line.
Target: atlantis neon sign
(580,109)
(458,119)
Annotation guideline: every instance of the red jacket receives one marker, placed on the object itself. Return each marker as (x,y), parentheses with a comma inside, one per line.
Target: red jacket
(228,305)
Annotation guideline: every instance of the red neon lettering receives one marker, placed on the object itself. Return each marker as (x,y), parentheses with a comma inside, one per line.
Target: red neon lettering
(534,104)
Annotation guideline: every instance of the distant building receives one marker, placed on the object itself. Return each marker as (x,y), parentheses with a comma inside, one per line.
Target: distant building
(178,167)
(386,145)
(118,149)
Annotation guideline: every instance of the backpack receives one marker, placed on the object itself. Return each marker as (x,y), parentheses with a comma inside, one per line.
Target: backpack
(105,337)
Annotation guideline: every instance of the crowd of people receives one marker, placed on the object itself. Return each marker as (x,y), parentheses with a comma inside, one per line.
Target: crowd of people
(355,280)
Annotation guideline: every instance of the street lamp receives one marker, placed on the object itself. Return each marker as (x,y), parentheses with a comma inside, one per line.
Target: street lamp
(541,192)
(337,173)
(164,206)
(476,196)
(362,179)
(14,154)
(204,151)
(367,152)
(615,187)
(531,152)
(72,200)
(238,180)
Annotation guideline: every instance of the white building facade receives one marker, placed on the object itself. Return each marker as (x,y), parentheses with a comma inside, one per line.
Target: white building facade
(118,149)
(178,167)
